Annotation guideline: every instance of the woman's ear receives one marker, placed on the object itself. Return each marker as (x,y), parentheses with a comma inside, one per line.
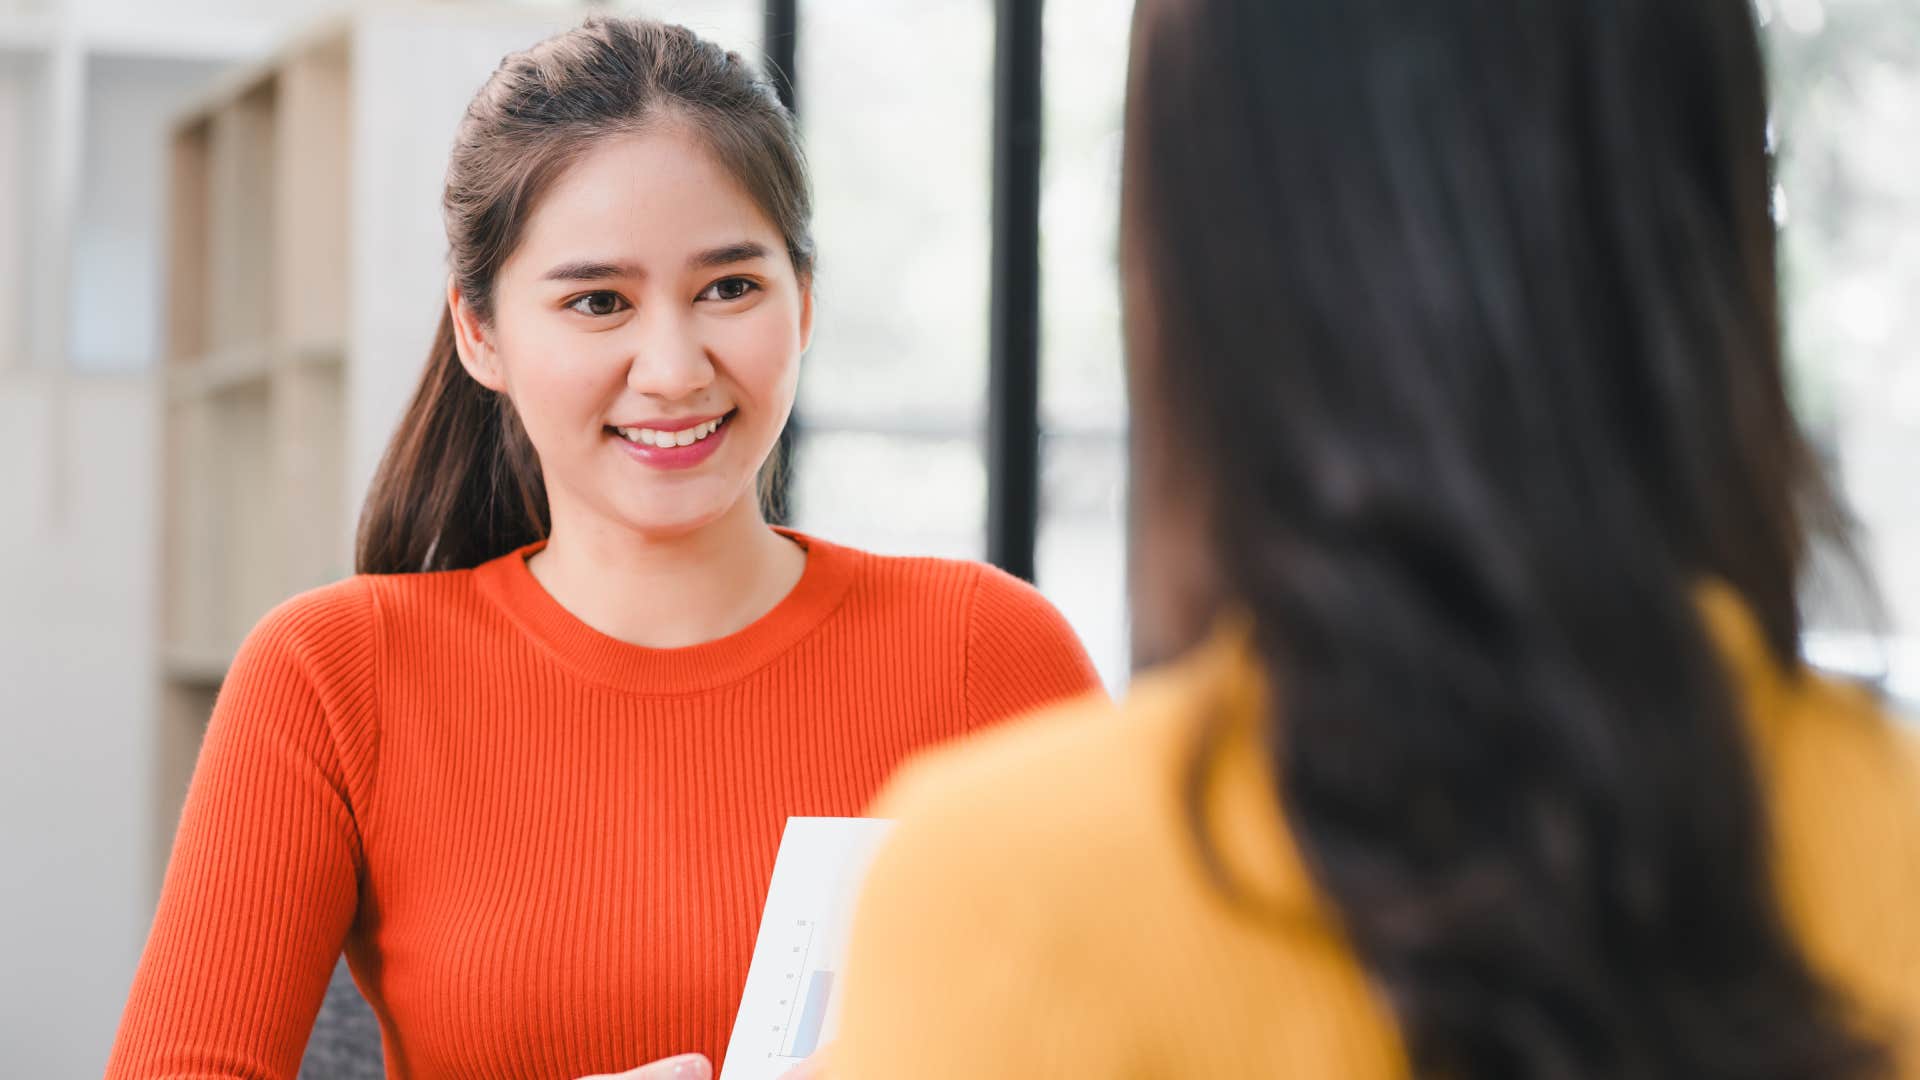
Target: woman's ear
(472,342)
(806,316)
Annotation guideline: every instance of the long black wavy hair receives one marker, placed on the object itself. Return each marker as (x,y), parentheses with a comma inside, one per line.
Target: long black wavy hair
(1453,334)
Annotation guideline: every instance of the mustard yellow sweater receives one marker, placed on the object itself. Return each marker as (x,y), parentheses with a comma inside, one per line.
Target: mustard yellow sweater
(1041,910)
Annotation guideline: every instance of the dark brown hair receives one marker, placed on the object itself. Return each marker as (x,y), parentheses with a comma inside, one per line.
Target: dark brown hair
(1454,327)
(460,483)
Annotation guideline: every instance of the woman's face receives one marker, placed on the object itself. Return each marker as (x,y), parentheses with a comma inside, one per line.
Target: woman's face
(648,329)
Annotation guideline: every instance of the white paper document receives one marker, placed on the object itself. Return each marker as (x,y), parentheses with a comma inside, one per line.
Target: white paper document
(786,1012)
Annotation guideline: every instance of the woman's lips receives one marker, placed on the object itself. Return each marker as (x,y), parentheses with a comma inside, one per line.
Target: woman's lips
(674,457)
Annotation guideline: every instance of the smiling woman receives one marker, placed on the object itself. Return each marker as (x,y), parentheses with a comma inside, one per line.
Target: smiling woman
(647,333)
(530,768)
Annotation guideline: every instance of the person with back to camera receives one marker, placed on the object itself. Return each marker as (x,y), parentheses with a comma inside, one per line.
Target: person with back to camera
(1471,517)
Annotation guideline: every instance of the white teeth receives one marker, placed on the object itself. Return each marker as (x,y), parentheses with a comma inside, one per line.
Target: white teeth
(683,437)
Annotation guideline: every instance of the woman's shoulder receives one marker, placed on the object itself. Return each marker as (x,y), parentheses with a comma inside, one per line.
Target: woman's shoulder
(331,625)
(886,576)
(1838,731)
(1842,776)
(1070,798)
(987,610)
(319,618)
(1016,650)
(1071,840)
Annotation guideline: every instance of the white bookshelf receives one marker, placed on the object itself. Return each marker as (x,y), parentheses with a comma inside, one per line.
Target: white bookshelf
(76,78)
(305,268)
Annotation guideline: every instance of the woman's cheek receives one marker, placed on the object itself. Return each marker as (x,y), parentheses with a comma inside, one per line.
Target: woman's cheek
(576,379)
(768,368)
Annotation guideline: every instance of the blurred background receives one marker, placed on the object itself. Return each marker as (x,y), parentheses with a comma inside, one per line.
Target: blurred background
(220,265)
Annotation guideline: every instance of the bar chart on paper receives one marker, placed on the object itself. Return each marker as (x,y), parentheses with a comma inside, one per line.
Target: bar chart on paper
(812,992)
(786,1012)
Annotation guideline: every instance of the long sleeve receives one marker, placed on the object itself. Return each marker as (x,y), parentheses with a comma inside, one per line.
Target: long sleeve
(265,874)
(1021,653)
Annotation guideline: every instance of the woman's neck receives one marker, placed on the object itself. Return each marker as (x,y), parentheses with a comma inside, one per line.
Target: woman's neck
(670,592)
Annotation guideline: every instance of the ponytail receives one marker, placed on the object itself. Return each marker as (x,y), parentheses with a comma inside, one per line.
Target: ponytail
(459,483)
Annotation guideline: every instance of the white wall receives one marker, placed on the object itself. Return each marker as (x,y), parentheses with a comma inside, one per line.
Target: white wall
(20,78)
(76,705)
(78,471)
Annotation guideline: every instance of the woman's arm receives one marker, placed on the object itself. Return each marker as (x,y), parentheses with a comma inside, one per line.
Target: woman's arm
(265,874)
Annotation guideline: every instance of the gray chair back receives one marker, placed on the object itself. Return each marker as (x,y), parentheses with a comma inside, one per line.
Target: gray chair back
(345,1044)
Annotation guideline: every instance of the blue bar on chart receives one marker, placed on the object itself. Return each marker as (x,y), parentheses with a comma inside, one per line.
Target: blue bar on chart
(806,1037)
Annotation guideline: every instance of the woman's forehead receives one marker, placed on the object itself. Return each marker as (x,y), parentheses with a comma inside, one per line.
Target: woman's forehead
(656,198)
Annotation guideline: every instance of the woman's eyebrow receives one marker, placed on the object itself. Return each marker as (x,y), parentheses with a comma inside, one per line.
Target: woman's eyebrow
(592,270)
(604,270)
(743,251)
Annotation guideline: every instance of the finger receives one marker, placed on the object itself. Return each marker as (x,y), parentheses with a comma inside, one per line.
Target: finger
(684,1067)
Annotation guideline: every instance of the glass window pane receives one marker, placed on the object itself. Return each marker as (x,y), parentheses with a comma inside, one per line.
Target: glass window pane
(1085,83)
(1846,81)
(1081,558)
(892,493)
(896,109)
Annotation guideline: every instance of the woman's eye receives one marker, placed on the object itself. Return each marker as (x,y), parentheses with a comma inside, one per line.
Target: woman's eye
(597,303)
(732,288)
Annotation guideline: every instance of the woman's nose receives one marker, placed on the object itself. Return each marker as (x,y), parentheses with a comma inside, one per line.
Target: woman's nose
(668,360)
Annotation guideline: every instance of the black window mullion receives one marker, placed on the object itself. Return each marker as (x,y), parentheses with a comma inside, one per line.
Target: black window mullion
(781,44)
(1013,384)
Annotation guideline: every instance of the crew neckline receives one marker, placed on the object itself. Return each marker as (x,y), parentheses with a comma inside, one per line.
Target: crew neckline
(604,659)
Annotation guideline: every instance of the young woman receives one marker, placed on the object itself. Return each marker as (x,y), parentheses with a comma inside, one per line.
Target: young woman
(1472,513)
(530,768)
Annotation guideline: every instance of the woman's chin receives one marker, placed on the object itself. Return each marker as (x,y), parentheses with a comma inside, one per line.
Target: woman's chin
(670,519)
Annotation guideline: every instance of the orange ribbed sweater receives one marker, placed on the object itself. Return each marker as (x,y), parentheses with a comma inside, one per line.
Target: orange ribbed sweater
(543,850)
